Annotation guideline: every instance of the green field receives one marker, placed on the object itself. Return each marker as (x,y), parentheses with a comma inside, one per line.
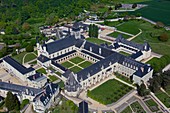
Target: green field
(52,78)
(29,57)
(124,53)
(157,10)
(149,34)
(76,60)
(67,64)
(85,64)
(164,98)
(97,41)
(109,92)
(115,35)
(41,70)
(152,105)
(127,110)
(19,57)
(137,108)
(75,69)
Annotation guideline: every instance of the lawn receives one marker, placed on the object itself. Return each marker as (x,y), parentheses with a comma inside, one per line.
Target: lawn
(67,106)
(111,24)
(149,34)
(152,105)
(75,69)
(124,53)
(97,41)
(109,92)
(58,73)
(157,10)
(52,78)
(85,64)
(115,35)
(29,57)
(137,108)
(34,62)
(41,70)
(164,98)
(123,78)
(19,57)
(127,110)
(76,60)
(67,64)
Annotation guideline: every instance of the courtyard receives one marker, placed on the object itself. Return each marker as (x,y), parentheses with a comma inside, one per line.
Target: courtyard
(76,64)
(109,92)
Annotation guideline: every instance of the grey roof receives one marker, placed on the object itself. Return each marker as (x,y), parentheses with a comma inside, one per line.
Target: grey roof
(136,55)
(43,58)
(83,107)
(37,77)
(100,65)
(144,46)
(17,65)
(46,95)
(60,44)
(143,70)
(19,89)
(72,84)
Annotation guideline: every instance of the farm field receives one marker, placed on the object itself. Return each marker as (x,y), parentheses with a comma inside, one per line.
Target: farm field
(157,10)
(115,90)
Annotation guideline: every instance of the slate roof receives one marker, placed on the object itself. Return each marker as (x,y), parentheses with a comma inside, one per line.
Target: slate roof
(43,58)
(83,107)
(63,55)
(136,55)
(19,89)
(37,77)
(143,70)
(97,67)
(60,44)
(120,39)
(46,95)
(59,66)
(72,84)
(19,67)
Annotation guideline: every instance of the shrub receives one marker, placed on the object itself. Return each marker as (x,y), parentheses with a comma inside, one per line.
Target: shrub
(24,103)
(159,25)
(163,37)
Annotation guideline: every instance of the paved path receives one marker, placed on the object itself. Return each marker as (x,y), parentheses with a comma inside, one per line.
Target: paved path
(23,60)
(135,35)
(29,109)
(124,33)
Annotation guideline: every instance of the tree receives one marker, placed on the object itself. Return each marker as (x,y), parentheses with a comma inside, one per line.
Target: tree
(134,5)
(142,91)
(164,37)
(30,48)
(12,102)
(25,26)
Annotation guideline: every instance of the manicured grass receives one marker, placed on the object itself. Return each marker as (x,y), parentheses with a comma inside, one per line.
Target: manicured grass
(52,78)
(109,92)
(58,73)
(61,84)
(124,53)
(24,103)
(75,69)
(137,108)
(67,106)
(41,70)
(19,57)
(29,57)
(97,41)
(127,110)
(34,62)
(85,64)
(115,35)
(77,60)
(152,105)
(164,98)
(67,64)
(111,24)
(123,78)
